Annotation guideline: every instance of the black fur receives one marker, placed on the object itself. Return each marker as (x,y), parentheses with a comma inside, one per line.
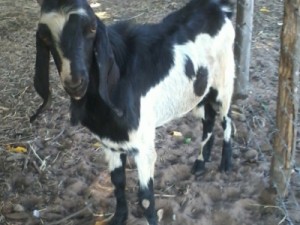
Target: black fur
(200,83)
(189,68)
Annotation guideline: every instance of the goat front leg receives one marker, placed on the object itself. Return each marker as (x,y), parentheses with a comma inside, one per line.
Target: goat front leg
(145,161)
(117,162)
(208,115)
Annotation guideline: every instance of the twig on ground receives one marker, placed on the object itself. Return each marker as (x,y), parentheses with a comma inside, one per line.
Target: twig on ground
(26,161)
(56,158)
(36,166)
(61,221)
(102,214)
(275,207)
(3,108)
(164,196)
(43,162)
(23,92)
(55,137)
(136,16)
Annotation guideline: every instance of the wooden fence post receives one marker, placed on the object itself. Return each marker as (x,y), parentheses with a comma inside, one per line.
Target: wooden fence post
(242,48)
(288,98)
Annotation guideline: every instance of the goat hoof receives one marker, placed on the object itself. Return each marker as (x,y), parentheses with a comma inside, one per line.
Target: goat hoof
(225,168)
(198,168)
(117,221)
(207,159)
(112,220)
(103,222)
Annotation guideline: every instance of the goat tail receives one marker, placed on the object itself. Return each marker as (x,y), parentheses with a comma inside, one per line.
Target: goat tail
(227,7)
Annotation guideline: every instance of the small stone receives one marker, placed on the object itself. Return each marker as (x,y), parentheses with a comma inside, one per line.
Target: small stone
(266,147)
(268,196)
(36,213)
(17,216)
(18,208)
(239,117)
(176,134)
(242,133)
(235,153)
(251,155)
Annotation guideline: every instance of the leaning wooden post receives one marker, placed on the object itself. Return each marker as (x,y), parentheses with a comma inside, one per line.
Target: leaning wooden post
(288,99)
(242,48)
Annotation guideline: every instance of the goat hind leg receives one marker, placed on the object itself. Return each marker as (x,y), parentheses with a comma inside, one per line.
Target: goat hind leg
(226,163)
(208,115)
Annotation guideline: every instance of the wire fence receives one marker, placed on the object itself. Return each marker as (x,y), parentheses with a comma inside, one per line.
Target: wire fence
(285,138)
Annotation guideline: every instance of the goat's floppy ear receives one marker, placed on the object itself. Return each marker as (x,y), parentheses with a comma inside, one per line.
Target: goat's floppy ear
(41,77)
(108,69)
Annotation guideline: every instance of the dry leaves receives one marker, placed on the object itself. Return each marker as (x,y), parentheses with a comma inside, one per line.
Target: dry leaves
(16,149)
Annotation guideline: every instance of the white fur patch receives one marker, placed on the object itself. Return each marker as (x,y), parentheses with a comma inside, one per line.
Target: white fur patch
(203,143)
(65,73)
(227,131)
(199,112)
(146,203)
(113,159)
(145,163)
(55,21)
(224,71)
(226,9)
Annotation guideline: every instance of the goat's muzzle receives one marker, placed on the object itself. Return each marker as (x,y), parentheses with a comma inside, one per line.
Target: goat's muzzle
(76,88)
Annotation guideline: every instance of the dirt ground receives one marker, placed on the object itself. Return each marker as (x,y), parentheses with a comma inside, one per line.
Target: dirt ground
(52,173)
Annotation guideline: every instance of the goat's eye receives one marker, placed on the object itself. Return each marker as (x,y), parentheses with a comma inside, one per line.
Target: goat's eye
(92,28)
(91,31)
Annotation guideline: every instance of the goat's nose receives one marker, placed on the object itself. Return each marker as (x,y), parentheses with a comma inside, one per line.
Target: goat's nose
(74,82)
(76,86)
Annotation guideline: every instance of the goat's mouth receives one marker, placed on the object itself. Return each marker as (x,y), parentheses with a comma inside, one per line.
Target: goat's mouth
(77,92)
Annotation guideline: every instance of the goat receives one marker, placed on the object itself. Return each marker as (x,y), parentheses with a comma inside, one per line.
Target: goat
(124,80)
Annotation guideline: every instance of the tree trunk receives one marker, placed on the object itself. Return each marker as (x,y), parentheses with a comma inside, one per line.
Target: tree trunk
(287,102)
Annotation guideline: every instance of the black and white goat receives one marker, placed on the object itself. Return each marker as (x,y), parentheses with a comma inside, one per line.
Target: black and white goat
(125,80)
